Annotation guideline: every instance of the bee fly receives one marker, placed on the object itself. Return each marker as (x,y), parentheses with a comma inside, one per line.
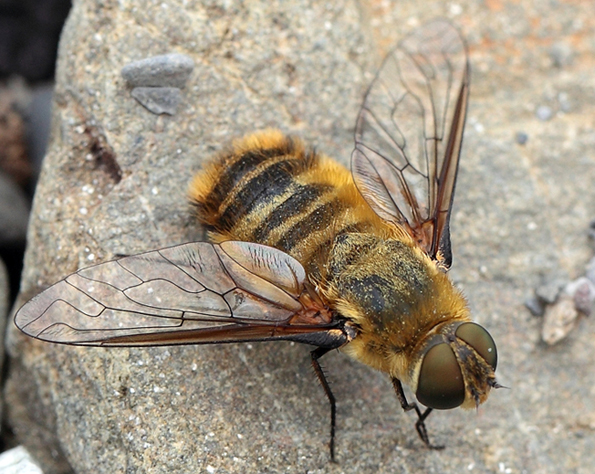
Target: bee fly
(305,251)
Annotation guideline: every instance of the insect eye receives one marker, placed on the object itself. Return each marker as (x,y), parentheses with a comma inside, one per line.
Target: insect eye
(478,338)
(440,384)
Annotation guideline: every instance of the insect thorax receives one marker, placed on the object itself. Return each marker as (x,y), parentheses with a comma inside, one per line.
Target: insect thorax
(394,293)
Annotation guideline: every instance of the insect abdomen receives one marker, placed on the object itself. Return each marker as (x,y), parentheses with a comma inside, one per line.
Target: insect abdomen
(269,189)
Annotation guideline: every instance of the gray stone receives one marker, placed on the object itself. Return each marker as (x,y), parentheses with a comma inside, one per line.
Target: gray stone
(535,305)
(521,138)
(549,290)
(582,290)
(159,100)
(561,54)
(544,112)
(168,70)
(303,67)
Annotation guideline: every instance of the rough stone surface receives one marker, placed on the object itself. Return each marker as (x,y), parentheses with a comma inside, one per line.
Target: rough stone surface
(159,100)
(114,183)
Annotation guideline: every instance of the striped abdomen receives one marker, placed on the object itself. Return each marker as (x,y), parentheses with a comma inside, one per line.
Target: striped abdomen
(268,189)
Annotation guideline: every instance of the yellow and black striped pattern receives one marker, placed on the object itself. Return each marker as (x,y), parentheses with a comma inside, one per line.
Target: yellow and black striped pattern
(269,189)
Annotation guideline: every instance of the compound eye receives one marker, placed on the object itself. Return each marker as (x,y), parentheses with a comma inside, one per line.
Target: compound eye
(440,384)
(478,338)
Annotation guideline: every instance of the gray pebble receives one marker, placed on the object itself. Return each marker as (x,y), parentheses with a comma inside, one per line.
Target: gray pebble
(521,138)
(544,113)
(159,100)
(549,291)
(591,230)
(583,292)
(168,70)
(535,306)
(564,101)
(561,54)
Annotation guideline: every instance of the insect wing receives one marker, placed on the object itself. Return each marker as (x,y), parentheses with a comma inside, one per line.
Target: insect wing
(190,293)
(409,134)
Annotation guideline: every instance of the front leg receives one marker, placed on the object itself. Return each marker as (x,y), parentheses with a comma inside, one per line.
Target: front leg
(420,425)
(317,354)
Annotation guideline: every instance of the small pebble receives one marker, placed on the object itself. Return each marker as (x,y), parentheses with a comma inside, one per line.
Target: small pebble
(168,70)
(559,320)
(561,54)
(521,138)
(535,306)
(544,113)
(591,231)
(582,291)
(564,101)
(159,100)
(549,291)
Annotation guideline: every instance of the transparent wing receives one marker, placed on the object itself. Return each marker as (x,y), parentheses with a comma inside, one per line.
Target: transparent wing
(190,293)
(409,134)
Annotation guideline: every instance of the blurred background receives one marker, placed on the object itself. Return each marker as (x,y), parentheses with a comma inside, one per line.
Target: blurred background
(29,35)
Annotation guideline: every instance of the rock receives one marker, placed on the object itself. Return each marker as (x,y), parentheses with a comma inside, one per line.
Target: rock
(18,461)
(159,100)
(535,305)
(544,113)
(559,320)
(582,290)
(549,290)
(521,138)
(303,67)
(561,54)
(168,70)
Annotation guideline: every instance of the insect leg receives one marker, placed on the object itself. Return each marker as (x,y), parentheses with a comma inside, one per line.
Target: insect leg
(317,354)
(420,425)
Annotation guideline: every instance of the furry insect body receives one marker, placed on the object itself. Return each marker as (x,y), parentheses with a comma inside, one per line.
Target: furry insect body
(269,189)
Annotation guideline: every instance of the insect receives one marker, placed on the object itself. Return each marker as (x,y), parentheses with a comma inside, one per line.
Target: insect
(303,250)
